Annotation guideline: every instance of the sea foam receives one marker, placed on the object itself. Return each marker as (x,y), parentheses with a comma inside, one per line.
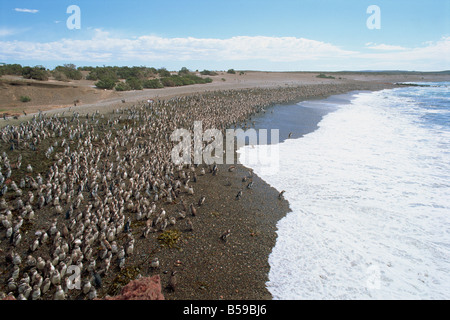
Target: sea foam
(369,192)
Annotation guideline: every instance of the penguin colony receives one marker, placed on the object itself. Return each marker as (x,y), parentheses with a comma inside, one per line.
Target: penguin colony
(72,187)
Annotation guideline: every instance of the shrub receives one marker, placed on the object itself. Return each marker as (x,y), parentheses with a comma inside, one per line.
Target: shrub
(167,82)
(184,71)
(122,86)
(133,72)
(70,71)
(58,75)
(101,73)
(11,69)
(134,83)
(185,81)
(152,70)
(324,76)
(25,98)
(37,73)
(85,68)
(231,71)
(152,84)
(106,83)
(163,72)
(208,73)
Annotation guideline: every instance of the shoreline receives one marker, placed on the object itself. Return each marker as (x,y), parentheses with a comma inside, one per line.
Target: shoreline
(208,267)
(243,270)
(314,164)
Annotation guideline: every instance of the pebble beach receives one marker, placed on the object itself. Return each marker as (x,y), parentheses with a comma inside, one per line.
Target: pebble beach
(97,190)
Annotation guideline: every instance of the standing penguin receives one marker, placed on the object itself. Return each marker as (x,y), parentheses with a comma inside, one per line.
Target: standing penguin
(201,200)
(173,281)
(193,210)
(189,225)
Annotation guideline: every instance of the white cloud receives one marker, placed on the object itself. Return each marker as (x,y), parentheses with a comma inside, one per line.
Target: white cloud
(288,53)
(432,55)
(7,31)
(4,32)
(384,47)
(154,48)
(26,10)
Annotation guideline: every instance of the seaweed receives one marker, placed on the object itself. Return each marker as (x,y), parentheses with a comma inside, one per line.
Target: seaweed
(122,279)
(169,238)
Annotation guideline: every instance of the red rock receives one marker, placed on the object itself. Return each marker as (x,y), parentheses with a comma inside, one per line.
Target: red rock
(141,289)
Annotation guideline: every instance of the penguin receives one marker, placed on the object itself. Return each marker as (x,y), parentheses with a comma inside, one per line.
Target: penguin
(87,286)
(225,235)
(193,210)
(59,294)
(97,280)
(189,225)
(201,200)
(173,281)
(92,293)
(154,264)
(239,195)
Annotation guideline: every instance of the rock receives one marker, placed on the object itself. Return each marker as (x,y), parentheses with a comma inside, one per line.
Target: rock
(141,289)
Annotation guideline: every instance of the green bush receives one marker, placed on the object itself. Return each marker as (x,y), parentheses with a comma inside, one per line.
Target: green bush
(122,86)
(208,73)
(168,82)
(85,68)
(184,71)
(59,76)
(11,69)
(231,71)
(152,84)
(106,83)
(134,72)
(324,76)
(163,73)
(134,83)
(69,71)
(101,73)
(37,73)
(25,98)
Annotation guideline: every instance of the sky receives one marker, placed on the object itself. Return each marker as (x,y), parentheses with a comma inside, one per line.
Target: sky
(281,35)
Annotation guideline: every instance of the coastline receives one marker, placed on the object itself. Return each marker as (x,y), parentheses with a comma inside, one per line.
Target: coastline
(208,267)
(239,269)
(322,197)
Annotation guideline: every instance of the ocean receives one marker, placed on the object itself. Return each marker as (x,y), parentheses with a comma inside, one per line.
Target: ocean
(367,177)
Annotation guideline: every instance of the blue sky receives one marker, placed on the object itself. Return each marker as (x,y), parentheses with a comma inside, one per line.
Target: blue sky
(285,35)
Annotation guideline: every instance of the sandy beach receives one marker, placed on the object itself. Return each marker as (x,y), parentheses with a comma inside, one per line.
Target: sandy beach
(207,266)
